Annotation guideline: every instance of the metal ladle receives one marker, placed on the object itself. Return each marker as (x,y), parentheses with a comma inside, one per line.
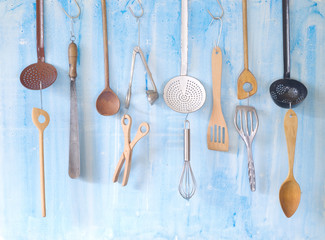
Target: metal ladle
(152,95)
(287,92)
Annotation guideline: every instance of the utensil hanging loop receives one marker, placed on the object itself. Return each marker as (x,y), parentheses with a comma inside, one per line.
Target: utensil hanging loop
(142,11)
(73,17)
(217,18)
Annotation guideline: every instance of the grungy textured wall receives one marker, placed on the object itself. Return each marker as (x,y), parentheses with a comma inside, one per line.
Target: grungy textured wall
(150,207)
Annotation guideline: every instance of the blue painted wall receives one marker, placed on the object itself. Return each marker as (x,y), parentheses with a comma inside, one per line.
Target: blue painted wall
(92,207)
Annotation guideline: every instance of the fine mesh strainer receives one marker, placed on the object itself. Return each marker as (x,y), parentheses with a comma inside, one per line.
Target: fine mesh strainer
(185,94)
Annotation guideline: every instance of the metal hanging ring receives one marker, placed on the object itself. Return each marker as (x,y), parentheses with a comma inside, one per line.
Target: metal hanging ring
(73,17)
(142,11)
(217,18)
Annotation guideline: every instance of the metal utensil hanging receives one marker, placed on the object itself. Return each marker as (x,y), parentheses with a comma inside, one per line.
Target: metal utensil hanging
(74,149)
(185,94)
(287,92)
(152,95)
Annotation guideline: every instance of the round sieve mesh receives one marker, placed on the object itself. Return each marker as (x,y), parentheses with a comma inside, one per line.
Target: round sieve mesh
(184,94)
(32,75)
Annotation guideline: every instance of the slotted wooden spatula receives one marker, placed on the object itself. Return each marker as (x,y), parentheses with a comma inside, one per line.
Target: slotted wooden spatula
(217,136)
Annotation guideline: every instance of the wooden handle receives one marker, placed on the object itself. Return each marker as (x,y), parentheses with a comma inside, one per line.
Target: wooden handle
(140,134)
(105,42)
(245,34)
(41,158)
(118,168)
(128,153)
(216,65)
(36,113)
(290,129)
(73,56)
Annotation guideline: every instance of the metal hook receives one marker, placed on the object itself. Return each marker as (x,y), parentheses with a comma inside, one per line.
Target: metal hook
(73,17)
(138,19)
(142,11)
(217,18)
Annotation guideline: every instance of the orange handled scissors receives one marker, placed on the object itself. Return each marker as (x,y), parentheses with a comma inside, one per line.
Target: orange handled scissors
(128,147)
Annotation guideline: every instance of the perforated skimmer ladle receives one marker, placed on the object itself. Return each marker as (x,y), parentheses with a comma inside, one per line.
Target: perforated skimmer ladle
(287,92)
(185,94)
(39,75)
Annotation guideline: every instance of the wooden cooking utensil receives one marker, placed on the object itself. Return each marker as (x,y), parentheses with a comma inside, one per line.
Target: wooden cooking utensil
(290,191)
(36,113)
(107,103)
(217,136)
(126,156)
(246,76)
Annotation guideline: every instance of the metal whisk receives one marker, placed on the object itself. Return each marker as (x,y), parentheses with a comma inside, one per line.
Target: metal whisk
(187,183)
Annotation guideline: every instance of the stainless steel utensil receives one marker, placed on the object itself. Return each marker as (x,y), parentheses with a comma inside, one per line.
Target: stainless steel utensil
(74,150)
(245,117)
(185,94)
(152,95)
(187,183)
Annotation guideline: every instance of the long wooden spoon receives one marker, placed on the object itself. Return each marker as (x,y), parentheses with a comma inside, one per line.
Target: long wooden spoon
(36,113)
(107,103)
(246,76)
(290,191)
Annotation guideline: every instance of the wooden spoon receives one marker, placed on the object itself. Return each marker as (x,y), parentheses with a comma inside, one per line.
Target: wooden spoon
(246,76)
(107,103)
(290,191)
(36,113)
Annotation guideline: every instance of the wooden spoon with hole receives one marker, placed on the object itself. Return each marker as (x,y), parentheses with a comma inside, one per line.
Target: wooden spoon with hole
(290,191)
(36,113)
(107,103)
(246,76)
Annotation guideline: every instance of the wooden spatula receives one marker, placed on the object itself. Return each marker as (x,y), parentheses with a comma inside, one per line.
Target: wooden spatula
(36,113)
(246,76)
(217,136)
